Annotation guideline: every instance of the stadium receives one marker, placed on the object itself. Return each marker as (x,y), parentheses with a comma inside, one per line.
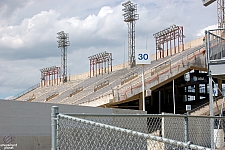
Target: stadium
(171,99)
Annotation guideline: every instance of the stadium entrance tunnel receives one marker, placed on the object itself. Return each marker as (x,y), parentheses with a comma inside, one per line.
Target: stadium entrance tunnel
(189,89)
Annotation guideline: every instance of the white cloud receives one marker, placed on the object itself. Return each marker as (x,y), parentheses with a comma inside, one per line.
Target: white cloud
(28,33)
(104,11)
(202,31)
(9,98)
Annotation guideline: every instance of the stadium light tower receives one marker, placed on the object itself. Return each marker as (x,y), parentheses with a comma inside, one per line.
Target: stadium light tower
(63,42)
(220,11)
(130,16)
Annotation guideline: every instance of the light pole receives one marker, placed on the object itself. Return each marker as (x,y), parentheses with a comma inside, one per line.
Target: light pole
(63,42)
(130,16)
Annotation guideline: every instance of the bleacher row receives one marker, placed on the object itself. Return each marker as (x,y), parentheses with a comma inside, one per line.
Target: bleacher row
(83,91)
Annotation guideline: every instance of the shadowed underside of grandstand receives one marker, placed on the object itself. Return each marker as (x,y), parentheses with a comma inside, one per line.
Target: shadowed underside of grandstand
(170,82)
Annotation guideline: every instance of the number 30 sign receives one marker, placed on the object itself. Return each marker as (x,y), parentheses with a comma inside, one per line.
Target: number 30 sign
(142,57)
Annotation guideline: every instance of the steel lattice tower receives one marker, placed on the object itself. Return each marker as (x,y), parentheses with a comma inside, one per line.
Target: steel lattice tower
(130,16)
(220,12)
(63,42)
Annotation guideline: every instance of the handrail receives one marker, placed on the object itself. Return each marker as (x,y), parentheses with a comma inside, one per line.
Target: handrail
(205,104)
(129,77)
(160,66)
(26,91)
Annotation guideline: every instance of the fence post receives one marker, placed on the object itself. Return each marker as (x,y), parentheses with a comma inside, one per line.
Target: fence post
(186,137)
(54,112)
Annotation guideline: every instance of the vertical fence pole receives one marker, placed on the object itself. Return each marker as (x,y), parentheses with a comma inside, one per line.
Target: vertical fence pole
(207,33)
(55,111)
(186,136)
(185,129)
(211,101)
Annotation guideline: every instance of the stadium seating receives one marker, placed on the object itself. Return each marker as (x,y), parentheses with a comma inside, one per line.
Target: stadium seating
(85,90)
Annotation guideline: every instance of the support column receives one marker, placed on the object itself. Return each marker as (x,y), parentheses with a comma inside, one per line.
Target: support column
(152,100)
(164,98)
(219,86)
(159,102)
(206,88)
(197,97)
(174,99)
(140,101)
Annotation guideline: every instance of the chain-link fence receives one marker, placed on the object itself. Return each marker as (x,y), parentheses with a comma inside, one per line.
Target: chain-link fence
(143,132)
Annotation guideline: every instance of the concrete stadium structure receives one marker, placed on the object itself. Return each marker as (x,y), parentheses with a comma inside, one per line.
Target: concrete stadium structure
(121,88)
(26,119)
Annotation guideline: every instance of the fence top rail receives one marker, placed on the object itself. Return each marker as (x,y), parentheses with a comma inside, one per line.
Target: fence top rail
(139,115)
(135,133)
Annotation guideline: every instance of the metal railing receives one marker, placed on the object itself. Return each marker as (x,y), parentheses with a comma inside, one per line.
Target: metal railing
(205,104)
(122,94)
(135,131)
(26,91)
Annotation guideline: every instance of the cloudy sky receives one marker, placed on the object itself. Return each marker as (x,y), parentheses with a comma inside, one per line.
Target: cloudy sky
(28,33)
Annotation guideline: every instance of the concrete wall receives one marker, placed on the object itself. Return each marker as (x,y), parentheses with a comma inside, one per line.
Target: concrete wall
(87,74)
(107,98)
(28,124)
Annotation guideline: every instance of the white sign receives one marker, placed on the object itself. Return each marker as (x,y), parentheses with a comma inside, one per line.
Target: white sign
(188,107)
(142,57)
(215,92)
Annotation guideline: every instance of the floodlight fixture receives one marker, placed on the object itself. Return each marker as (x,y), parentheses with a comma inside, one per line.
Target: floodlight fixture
(207,2)
(164,40)
(49,76)
(100,63)
(220,11)
(48,69)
